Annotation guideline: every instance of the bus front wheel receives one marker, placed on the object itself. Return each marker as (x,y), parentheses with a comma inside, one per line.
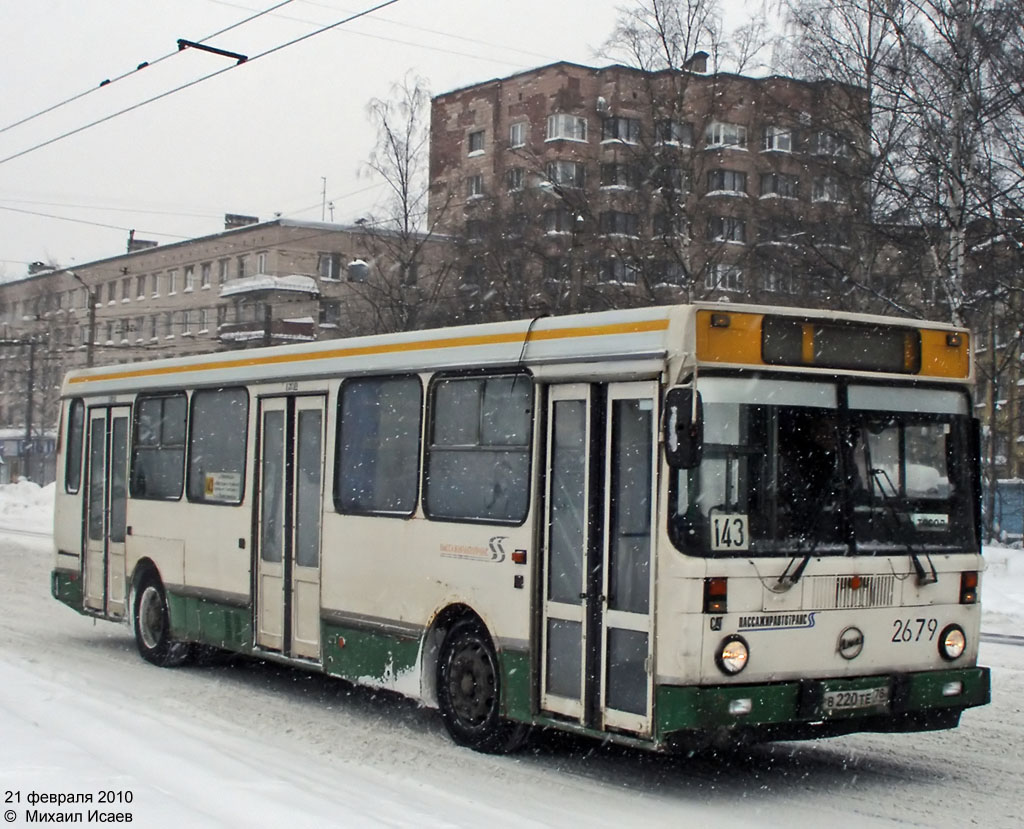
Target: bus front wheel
(469,692)
(153,626)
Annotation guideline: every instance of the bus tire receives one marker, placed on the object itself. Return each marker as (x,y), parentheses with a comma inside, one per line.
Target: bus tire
(153,626)
(469,692)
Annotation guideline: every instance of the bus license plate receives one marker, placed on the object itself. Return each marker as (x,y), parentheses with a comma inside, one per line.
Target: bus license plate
(852,700)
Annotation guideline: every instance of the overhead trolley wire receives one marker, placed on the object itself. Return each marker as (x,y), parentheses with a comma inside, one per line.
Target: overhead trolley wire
(199,80)
(138,68)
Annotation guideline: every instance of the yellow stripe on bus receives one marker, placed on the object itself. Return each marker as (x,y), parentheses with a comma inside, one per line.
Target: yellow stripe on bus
(637,327)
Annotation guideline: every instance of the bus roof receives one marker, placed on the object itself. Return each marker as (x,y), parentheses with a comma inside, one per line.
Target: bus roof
(641,341)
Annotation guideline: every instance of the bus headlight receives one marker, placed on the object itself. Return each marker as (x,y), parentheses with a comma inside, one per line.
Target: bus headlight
(952,642)
(732,655)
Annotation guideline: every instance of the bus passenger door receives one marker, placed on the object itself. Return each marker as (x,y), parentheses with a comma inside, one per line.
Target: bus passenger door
(289,507)
(596,619)
(568,546)
(106,501)
(627,560)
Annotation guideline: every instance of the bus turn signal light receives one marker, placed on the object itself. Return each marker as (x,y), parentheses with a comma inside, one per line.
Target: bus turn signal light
(715,595)
(969,587)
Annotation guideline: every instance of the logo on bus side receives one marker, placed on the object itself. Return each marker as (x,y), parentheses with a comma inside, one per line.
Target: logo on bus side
(777,621)
(494,551)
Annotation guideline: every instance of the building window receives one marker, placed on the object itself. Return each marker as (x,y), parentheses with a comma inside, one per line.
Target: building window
(204,317)
(216,446)
(567,173)
(618,223)
(261,262)
(782,230)
(329,266)
(358,270)
(626,130)
(558,220)
(829,143)
(671,178)
(777,281)
(172,282)
(242,267)
(673,132)
(618,271)
(158,447)
(556,269)
(186,323)
(517,134)
(156,285)
(205,272)
(668,272)
(778,139)
(727,229)
(330,313)
(619,175)
(168,324)
(515,179)
(223,266)
(727,181)
(478,461)
(190,278)
(153,322)
(475,142)
(566,128)
(724,277)
(720,134)
(111,292)
(474,186)
(140,286)
(670,223)
(782,185)
(378,446)
(828,189)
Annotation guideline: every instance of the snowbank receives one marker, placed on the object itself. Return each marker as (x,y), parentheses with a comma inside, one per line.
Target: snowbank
(27,506)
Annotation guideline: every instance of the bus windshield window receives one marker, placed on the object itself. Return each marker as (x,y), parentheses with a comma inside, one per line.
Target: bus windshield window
(787,473)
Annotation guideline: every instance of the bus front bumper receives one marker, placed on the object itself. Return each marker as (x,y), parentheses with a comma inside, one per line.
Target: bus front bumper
(813,708)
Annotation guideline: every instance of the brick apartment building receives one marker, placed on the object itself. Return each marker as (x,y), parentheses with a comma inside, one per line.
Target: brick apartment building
(253,284)
(576,187)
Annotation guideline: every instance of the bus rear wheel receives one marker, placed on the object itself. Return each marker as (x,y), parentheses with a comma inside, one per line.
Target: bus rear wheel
(469,692)
(153,626)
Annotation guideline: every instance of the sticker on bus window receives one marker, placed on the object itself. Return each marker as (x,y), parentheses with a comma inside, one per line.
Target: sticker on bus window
(223,486)
(729,532)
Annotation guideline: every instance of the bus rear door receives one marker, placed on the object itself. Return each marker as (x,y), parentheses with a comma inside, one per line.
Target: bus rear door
(106,500)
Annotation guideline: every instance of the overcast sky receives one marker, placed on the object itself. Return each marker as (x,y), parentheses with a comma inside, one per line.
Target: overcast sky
(258,139)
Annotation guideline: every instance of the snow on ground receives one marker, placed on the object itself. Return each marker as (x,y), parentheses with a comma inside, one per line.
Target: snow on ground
(252,744)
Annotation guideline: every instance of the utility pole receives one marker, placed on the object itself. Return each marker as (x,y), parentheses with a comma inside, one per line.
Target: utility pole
(27,452)
(90,297)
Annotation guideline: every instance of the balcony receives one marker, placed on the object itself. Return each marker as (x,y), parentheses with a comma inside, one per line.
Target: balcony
(264,285)
(254,332)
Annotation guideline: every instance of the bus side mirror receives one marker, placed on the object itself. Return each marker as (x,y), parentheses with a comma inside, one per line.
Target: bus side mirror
(684,428)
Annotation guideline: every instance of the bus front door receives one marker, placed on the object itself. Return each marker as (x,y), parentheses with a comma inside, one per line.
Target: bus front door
(289,505)
(106,500)
(596,655)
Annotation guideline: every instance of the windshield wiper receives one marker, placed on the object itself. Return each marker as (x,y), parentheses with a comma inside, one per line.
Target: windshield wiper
(923,576)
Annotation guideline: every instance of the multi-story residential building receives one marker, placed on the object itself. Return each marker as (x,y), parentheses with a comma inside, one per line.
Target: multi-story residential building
(580,187)
(254,284)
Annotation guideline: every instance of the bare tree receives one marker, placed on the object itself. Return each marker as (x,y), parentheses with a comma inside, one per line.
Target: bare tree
(406,284)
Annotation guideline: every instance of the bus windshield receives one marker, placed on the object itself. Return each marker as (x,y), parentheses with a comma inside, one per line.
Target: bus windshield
(805,468)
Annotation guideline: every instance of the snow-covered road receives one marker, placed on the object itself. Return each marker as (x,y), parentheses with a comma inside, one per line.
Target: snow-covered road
(252,744)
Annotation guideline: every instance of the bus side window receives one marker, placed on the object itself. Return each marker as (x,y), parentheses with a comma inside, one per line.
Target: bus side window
(478,463)
(378,446)
(75,434)
(158,447)
(216,446)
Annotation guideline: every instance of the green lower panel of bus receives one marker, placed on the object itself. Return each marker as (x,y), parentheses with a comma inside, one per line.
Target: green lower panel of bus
(810,708)
(196,619)
(365,656)
(66,587)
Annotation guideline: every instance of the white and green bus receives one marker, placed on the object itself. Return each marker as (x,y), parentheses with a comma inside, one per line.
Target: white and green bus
(665,526)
